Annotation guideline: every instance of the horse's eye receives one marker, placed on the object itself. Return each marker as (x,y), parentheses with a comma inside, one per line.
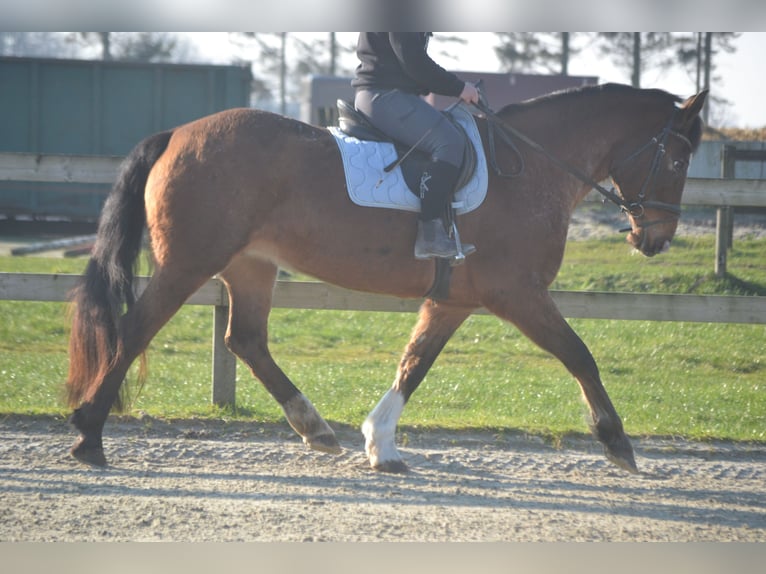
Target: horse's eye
(679,166)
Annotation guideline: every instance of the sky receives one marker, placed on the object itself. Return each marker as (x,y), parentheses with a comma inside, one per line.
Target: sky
(737,82)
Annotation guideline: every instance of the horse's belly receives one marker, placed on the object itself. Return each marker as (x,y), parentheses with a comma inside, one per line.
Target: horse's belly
(350,267)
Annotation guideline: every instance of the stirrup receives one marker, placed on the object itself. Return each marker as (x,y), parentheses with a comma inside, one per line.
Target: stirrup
(459,259)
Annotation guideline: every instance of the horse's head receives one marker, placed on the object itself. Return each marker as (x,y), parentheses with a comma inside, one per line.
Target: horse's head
(651,178)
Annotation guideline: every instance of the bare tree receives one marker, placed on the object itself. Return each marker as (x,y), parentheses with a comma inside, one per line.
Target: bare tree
(267,54)
(637,51)
(36,45)
(697,51)
(522,51)
(443,45)
(133,46)
(566,52)
(548,52)
(282,60)
(147,47)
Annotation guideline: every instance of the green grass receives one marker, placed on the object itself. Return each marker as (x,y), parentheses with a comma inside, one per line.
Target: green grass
(701,381)
(610,265)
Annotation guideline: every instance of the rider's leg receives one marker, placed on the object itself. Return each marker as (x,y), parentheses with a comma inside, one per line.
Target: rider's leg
(436,186)
(412,121)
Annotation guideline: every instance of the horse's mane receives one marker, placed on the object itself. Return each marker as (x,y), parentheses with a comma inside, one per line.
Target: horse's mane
(570,95)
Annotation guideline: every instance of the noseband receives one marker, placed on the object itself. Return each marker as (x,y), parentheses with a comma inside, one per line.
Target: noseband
(635,208)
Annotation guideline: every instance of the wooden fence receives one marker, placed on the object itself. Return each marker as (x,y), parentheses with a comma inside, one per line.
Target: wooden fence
(730,155)
(724,194)
(305,295)
(594,305)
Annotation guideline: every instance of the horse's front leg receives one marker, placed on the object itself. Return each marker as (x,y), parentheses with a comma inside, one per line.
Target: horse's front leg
(536,315)
(436,324)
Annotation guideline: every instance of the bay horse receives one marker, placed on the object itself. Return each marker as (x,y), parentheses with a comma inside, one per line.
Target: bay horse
(243,192)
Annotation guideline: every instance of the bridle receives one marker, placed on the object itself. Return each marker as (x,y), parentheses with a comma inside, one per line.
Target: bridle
(635,208)
(638,207)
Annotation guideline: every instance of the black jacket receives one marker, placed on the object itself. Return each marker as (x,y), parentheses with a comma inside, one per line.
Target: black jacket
(400,60)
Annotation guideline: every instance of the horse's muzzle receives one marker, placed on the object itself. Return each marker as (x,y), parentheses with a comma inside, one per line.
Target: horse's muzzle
(647,245)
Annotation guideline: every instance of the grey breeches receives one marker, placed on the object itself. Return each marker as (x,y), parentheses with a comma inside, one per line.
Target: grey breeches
(406,118)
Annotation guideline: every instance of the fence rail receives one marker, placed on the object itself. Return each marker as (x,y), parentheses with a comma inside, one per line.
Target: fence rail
(623,306)
(95,169)
(309,295)
(321,296)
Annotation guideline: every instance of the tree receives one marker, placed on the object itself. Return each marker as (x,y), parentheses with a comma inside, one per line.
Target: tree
(282,60)
(696,52)
(132,46)
(521,51)
(146,47)
(566,51)
(637,51)
(36,44)
(535,51)
(269,50)
(442,44)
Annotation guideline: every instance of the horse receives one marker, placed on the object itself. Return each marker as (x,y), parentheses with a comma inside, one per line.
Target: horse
(244,192)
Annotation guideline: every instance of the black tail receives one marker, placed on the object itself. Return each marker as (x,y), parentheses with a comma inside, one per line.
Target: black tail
(107,285)
(123,219)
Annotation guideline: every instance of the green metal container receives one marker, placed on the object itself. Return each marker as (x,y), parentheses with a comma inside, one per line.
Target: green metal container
(87,107)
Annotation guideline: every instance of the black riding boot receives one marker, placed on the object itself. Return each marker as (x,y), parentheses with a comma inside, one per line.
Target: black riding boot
(436,186)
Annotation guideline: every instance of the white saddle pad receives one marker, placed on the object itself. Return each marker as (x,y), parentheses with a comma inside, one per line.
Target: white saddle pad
(368,185)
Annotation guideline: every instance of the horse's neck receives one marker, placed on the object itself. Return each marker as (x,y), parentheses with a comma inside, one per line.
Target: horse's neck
(586,136)
(596,130)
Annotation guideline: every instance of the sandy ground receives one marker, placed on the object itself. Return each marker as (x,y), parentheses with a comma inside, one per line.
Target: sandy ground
(219,481)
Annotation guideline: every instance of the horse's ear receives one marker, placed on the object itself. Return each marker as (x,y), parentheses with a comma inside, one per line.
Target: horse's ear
(693,105)
(691,122)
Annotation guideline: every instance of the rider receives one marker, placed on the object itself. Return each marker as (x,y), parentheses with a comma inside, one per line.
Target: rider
(394,71)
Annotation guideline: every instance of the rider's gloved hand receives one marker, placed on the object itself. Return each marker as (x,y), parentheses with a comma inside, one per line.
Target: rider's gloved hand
(470,95)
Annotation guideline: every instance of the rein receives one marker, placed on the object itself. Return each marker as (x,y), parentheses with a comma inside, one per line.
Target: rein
(496,124)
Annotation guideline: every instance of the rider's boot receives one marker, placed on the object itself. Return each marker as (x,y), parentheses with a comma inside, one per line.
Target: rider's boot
(436,186)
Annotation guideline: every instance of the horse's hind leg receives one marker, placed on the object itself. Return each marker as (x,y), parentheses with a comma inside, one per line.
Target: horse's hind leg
(250,283)
(436,324)
(539,319)
(164,295)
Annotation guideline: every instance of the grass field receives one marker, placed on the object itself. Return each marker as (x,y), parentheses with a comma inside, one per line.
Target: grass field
(702,381)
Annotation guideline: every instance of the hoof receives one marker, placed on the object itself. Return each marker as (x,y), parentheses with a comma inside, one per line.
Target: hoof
(324,443)
(391,466)
(621,454)
(88,454)
(307,422)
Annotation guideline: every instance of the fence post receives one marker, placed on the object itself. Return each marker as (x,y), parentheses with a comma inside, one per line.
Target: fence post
(724,220)
(224,363)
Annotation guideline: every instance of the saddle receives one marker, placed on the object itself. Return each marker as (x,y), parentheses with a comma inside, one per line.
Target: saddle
(471,187)
(413,162)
